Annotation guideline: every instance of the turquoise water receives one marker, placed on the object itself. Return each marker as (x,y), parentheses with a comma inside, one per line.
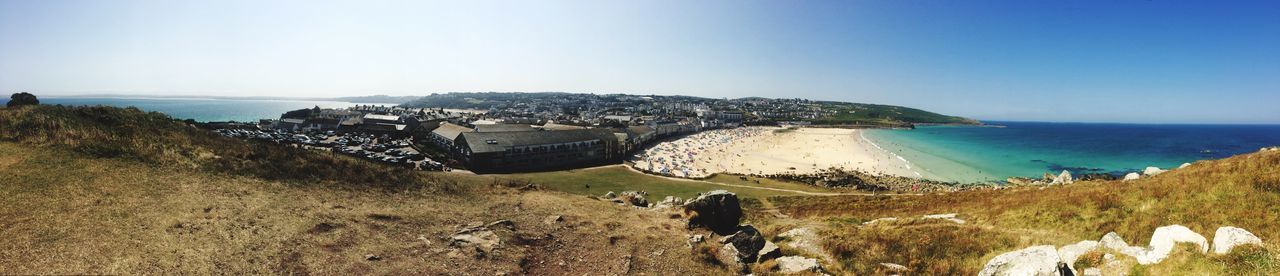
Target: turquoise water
(207,110)
(986,154)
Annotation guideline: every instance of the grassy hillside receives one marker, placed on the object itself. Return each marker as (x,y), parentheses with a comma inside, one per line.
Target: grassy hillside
(1241,191)
(119,191)
(156,139)
(884,114)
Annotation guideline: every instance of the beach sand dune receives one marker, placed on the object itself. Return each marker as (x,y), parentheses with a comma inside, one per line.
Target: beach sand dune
(771,150)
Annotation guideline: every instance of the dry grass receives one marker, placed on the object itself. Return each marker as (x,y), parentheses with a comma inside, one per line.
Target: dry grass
(101,190)
(1238,191)
(156,139)
(111,216)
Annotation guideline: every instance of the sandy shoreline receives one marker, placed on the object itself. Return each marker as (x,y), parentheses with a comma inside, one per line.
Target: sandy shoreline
(771,150)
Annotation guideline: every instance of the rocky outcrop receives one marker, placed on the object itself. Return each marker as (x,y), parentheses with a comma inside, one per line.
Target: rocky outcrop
(768,252)
(1063,178)
(948,217)
(1228,237)
(1162,243)
(747,242)
(729,256)
(633,198)
(797,264)
(805,240)
(874,221)
(1132,176)
(482,239)
(1152,171)
(717,210)
(1069,253)
(1035,260)
(669,202)
(894,268)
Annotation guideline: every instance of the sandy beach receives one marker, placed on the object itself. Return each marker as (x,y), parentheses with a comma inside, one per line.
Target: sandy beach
(771,150)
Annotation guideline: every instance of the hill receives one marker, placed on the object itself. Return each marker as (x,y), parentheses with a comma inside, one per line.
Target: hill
(1241,191)
(102,190)
(832,113)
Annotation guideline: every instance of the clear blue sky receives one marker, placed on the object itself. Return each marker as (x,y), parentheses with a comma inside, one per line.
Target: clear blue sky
(1117,61)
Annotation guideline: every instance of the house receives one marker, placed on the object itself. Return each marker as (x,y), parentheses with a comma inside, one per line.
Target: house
(444,135)
(525,151)
(291,124)
(638,136)
(381,119)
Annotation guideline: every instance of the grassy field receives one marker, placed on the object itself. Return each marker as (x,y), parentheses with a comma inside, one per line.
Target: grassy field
(598,181)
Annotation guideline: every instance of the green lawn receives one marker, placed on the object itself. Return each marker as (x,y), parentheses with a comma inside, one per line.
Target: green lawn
(602,180)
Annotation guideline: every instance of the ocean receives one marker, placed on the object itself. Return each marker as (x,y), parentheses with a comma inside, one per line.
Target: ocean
(207,110)
(986,154)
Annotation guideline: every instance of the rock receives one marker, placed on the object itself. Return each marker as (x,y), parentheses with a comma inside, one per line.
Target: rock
(748,243)
(1184,165)
(1131,176)
(805,240)
(610,195)
(371,257)
(634,198)
(1069,253)
(950,217)
(797,264)
(481,238)
(694,239)
(553,219)
(1063,178)
(1092,271)
(1151,171)
(1162,243)
(730,257)
(892,267)
(717,210)
(1113,241)
(874,221)
(1020,181)
(768,252)
(1228,237)
(1163,240)
(502,223)
(669,202)
(1035,260)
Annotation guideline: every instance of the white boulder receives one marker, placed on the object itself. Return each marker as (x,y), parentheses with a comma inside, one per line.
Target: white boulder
(1132,176)
(1092,271)
(797,264)
(1151,171)
(1162,243)
(949,217)
(1062,178)
(1035,260)
(1184,165)
(1228,237)
(1069,253)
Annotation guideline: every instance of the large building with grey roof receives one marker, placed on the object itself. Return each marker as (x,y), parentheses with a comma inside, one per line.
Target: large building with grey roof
(536,150)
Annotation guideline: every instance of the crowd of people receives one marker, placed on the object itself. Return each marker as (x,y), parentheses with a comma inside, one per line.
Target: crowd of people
(680,157)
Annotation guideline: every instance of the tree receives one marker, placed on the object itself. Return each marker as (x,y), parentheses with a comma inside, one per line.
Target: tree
(23,98)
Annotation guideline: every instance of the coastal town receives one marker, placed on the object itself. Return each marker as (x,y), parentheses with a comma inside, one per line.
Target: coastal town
(512,132)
